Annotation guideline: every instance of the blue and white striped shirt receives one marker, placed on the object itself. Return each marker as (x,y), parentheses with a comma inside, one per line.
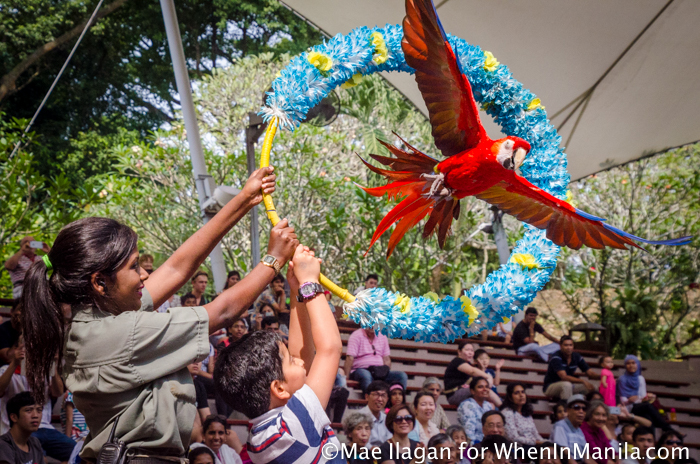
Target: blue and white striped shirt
(298,432)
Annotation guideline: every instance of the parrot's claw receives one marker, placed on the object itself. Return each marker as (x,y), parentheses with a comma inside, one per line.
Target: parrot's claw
(435,184)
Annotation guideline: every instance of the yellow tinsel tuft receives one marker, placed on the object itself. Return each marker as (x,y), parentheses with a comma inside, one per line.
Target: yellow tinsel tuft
(469,309)
(320,61)
(352,82)
(570,198)
(525,260)
(403,302)
(486,105)
(534,104)
(432,296)
(380,50)
(490,63)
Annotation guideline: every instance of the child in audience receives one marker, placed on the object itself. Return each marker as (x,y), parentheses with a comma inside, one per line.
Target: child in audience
(285,390)
(559,412)
(189,300)
(397,395)
(481,361)
(607,381)
(72,420)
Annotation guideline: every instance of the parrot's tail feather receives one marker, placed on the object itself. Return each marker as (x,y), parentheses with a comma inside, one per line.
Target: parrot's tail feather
(589,216)
(672,242)
(412,174)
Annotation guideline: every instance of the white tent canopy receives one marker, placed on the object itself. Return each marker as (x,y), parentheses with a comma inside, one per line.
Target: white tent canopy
(641,58)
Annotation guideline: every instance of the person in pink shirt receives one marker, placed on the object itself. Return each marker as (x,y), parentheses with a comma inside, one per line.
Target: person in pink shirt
(607,381)
(368,359)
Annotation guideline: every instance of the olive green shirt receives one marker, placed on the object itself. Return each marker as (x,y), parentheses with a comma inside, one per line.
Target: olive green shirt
(135,364)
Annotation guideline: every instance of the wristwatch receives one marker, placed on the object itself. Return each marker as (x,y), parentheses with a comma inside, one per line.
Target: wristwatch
(308,290)
(271,261)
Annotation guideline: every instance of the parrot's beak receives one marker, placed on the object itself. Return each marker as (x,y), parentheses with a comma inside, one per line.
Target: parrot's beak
(519,157)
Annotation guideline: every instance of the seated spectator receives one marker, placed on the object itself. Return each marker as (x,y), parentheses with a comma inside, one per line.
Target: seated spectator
(54,443)
(235,332)
(146,263)
(597,434)
(490,450)
(201,455)
(559,381)
(400,423)
(503,331)
(625,437)
(200,280)
(371,281)
(459,436)
(10,331)
(632,389)
(432,384)
(567,432)
(18,445)
(18,264)
(524,337)
(216,432)
(593,395)
(481,361)
(339,398)
(517,412)
(669,449)
(445,449)
(493,423)
(276,298)
(470,411)
(201,397)
(267,310)
(368,358)
(460,372)
(549,453)
(232,278)
(358,428)
(423,408)
(397,395)
(377,396)
(642,440)
(559,412)
(188,300)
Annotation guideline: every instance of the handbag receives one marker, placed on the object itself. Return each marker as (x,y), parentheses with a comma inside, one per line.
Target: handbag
(379,372)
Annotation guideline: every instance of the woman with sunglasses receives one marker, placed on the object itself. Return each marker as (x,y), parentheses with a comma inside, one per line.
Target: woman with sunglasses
(400,423)
(670,449)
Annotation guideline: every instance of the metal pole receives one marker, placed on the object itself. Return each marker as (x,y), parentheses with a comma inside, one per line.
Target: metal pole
(204,182)
(252,133)
(499,235)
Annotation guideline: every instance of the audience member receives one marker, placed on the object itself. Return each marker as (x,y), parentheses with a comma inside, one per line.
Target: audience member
(490,450)
(232,278)
(632,389)
(358,428)
(470,411)
(493,423)
(72,420)
(445,449)
(18,264)
(670,450)
(559,412)
(201,455)
(567,432)
(481,361)
(146,263)
(201,397)
(339,398)
(12,382)
(560,382)
(271,323)
(10,331)
(368,358)
(377,396)
(400,423)
(432,384)
(200,280)
(524,337)
(594,395)
(18,445)
(459,436)
(549,453)
(503,331)
(519,423)
(188,300)
(235,332)
(460,372)
(397,395)
(269,383)
(625,437)
(423,408)
(607,381)
(215,430)
(642,440)
(597,434)
(276,298)
(371,281)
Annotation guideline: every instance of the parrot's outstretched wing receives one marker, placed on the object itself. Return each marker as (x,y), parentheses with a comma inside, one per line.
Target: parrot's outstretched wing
(445,89)
(565,225)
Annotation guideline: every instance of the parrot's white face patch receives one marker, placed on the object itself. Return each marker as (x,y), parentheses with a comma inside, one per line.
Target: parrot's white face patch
(505,154)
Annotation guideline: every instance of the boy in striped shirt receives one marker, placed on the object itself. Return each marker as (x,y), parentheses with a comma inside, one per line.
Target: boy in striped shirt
(285,390)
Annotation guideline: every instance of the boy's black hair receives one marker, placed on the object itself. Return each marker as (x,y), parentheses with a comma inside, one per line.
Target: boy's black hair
(642,431)
(198,451)
(377,385)
(268,321)
(187,296)
(531,310)
(479,352)
(246,369)
(278,278)
(565,338)
(372,276)
(17,402)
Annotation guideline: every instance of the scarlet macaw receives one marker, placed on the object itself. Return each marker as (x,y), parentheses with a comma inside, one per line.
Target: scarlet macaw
(476,165)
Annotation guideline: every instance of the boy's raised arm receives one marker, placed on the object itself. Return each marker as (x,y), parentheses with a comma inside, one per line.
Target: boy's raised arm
(301,343)
(324,329)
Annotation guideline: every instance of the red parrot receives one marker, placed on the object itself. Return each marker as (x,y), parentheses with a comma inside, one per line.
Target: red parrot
(476,165)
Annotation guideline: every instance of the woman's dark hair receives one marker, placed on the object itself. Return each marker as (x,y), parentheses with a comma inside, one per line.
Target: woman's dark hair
(475,381)
(214,418)
(394,411)
(198,451)
(479,352)
(508,403)
(231,274)
(420,395)
(666,435)
(553,416)
(462,342)
(81,249)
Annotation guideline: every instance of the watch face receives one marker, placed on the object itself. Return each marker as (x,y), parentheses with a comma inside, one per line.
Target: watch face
(307,290)
(269,259)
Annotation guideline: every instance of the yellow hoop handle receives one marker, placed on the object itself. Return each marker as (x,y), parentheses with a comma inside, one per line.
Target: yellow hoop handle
(341,293)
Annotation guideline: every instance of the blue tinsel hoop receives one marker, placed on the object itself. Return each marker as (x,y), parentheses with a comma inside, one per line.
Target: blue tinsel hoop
(312,75)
